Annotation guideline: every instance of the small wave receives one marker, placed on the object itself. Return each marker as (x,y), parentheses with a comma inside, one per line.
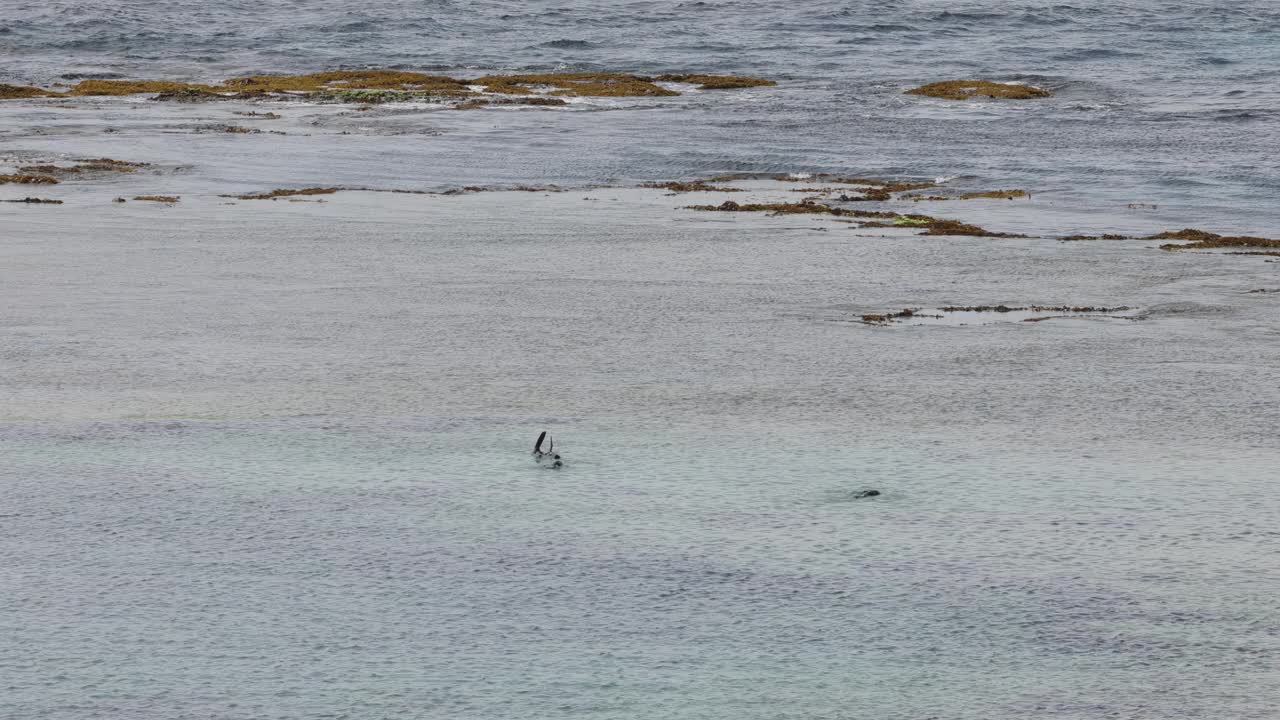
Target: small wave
(1242,115)
(1085,54)
(948,16)
(356,26)
(1214,60)
(568,44)
(91,76)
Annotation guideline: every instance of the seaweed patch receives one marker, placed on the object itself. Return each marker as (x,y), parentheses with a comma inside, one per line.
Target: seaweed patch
(28,179)
(13,92)
(984,314)
(691,186)
(274,194)
(1105,236)
(716,82)
(930,225)
(474,103)
(969,89)
(578,84)
(170,199)
(1194,239)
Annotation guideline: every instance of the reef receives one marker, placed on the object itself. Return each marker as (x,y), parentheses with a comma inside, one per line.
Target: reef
(800,208)
(931,225)
(1035,308)
(82,166)
(39,201)
(1107,236)
(13,92)
(691,186)
(486,102)
(286,193)
(716,82)
(256,114)
(955,227)
(190,95)
(133,87)
(968,89)
(379,86)
(28,179)
(927,317)
(878,318)
(879,192)
(1202,240)
(996,195)
(576,84)
(158,198)
(349,80)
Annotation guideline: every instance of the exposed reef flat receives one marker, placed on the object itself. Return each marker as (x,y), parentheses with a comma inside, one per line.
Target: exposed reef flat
(383,86)
(971,89)
(986,314)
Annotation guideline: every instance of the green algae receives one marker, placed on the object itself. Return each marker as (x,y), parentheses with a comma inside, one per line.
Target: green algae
(969,89)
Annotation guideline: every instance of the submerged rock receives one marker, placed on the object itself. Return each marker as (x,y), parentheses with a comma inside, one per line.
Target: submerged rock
(8,92)
(397,85)
(969,89)
(1202,240)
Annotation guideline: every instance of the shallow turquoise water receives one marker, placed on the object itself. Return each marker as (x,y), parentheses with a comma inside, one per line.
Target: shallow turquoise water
(426,567)
(273,461)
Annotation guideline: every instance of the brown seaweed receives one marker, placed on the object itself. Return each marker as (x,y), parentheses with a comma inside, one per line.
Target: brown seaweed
(690,186)
(13,92)
(285,193)
(28,179)
(968,89)
(159,198)
(577,84)
(716,82)
(1105,236)
(486,102)
(1201,240)
(35,201)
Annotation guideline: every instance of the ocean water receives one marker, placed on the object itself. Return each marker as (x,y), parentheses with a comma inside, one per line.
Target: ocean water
(271,459)
(1173,104)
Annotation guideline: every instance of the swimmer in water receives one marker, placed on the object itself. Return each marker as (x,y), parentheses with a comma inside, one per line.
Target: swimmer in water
(549,456)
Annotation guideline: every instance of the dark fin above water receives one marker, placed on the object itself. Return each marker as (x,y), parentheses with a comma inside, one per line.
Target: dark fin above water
(537,447)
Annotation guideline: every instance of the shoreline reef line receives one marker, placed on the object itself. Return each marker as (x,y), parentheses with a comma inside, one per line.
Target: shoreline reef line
(581,84)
